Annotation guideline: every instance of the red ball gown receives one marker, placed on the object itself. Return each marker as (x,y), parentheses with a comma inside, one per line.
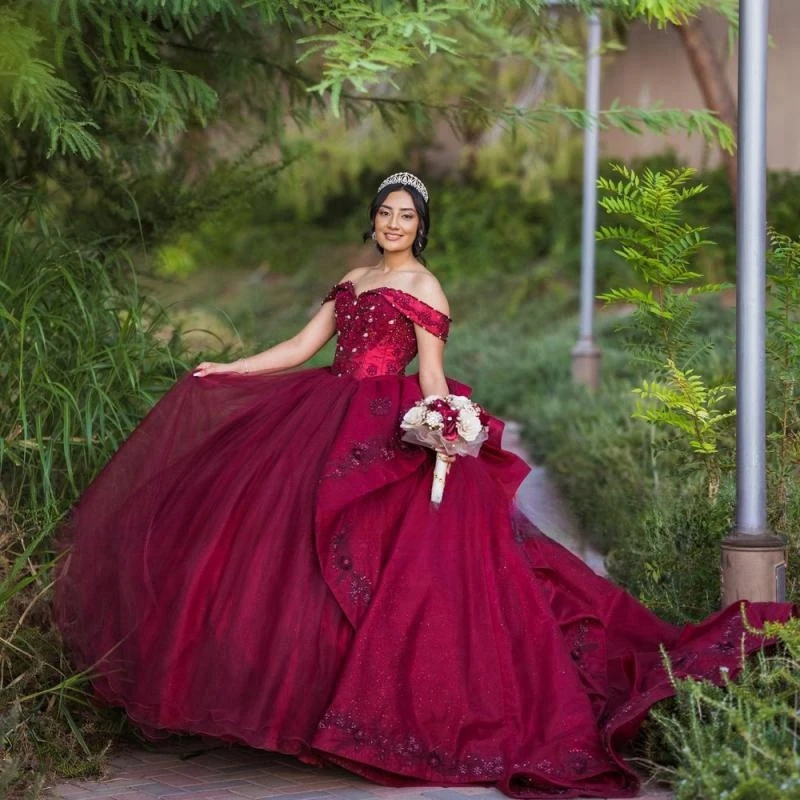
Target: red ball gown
(260,562)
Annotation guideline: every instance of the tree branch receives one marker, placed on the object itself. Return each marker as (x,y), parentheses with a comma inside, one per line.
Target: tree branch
(709,73)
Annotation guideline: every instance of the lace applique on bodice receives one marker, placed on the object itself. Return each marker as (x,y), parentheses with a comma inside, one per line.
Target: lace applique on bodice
(376,329)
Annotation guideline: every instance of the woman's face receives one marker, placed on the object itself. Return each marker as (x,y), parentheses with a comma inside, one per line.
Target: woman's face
(396,222)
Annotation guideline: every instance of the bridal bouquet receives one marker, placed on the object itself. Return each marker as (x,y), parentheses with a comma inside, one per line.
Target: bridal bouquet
(452,424)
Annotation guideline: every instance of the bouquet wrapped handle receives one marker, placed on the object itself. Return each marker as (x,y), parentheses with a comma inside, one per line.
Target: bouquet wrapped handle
(439,478)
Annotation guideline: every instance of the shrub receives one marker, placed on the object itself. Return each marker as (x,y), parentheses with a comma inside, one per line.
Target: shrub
(81,361)
(670,558)
(739,741)
(783,348)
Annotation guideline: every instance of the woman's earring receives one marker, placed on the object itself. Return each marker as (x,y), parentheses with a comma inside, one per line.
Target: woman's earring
(374,237)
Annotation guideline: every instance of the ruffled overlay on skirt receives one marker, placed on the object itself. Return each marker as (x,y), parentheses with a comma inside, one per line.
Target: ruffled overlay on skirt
(260,562)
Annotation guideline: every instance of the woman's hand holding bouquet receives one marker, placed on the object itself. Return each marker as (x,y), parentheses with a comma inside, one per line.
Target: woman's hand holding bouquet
(451,425)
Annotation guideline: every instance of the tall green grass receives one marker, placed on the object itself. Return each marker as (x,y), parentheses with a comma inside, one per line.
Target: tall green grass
(82,358)
(47,723)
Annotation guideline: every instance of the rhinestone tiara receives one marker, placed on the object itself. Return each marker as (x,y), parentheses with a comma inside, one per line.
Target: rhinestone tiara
(406,179)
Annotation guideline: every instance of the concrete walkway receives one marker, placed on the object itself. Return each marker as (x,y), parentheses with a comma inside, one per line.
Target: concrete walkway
(538,499)
(190,768)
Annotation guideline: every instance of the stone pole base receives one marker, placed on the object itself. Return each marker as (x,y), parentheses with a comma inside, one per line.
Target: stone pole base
(753,568)
(586,363)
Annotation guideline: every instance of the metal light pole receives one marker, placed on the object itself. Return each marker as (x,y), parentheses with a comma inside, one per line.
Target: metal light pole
(586,353)
(753,559)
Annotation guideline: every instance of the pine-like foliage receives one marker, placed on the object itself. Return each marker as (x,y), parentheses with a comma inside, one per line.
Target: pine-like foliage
(106,106)
(740,741)
(659,246)
(99,100)
(75,70)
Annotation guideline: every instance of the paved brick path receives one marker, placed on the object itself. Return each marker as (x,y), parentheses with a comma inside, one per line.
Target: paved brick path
(191,769)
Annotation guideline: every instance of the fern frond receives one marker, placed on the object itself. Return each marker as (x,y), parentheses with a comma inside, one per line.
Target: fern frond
(633,296)
(708,288)
(682,401)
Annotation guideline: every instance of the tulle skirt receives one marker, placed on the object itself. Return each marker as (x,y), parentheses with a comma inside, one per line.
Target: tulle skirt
(261,562)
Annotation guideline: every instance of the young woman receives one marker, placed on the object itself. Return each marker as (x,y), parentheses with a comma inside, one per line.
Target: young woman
(261,562)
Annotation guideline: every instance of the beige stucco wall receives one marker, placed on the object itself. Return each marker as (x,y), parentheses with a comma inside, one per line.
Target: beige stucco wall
(654,68)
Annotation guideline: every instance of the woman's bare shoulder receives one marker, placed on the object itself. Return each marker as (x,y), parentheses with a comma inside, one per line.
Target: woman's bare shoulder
(425,286)
(356,274)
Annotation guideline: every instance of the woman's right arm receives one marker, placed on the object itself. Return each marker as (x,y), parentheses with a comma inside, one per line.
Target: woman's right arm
(285,355)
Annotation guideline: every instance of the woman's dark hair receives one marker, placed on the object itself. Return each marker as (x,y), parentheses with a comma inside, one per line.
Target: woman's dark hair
(420,206)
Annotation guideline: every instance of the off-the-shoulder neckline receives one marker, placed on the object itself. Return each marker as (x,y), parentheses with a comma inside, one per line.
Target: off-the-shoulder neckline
(379,289)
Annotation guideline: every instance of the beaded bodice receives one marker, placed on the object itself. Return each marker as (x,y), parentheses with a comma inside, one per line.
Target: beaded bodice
(376,329)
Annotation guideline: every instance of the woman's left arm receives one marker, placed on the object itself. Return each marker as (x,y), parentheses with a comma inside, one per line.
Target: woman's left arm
(430,348)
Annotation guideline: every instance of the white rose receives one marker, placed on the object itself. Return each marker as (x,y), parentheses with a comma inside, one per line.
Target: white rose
(468,426)
(458,401)
(431,397)
(433,419)
(469,413)
(414,417)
